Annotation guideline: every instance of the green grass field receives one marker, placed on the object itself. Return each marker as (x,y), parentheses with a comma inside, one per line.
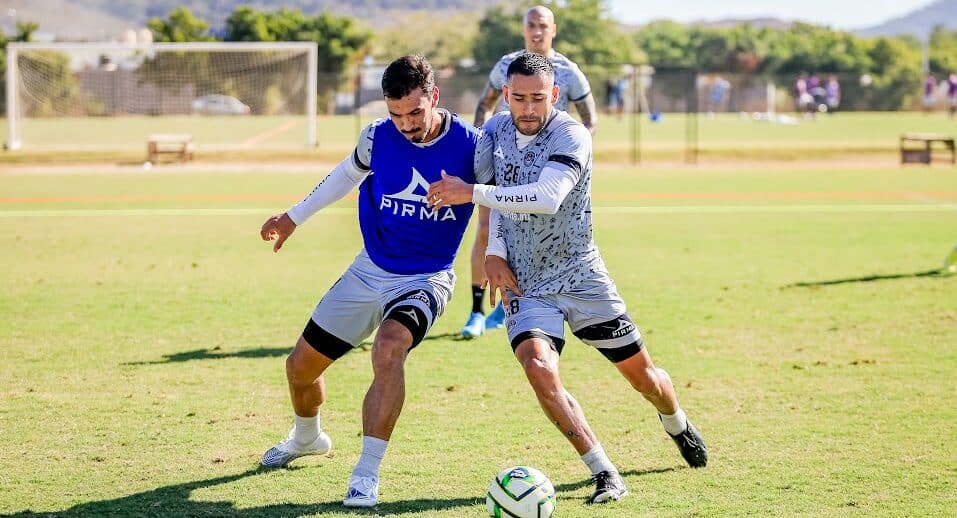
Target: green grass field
(800,312)
(219,138)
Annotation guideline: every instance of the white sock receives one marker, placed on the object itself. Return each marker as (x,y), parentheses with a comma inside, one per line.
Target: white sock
(675,423)
(373,450)
(597,461)
(306,430)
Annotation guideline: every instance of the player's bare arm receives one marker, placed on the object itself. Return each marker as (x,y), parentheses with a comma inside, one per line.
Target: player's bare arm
(501,279)
(486,104)
(588,113)
(277,228)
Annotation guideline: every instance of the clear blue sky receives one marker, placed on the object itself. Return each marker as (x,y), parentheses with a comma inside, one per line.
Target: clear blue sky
(842,14)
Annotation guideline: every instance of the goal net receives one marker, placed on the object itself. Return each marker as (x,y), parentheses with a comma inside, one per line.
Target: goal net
(105,96)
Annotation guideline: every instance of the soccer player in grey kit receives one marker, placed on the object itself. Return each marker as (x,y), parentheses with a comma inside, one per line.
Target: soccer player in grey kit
(542,259)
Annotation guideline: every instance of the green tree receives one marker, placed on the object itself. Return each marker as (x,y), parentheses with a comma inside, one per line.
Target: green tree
(499,32)
(666,43)
(943,51)
(896,73)
(587,34)
(179,26)
(24,33)
(341,40)
(447,43)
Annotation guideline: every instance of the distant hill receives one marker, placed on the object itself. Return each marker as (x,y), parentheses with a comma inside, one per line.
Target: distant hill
(758,23)
(919,22)
(216,12)
(64,19)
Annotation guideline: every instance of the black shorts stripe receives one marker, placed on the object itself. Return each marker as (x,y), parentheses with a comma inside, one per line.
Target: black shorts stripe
(413,319)
(620,354)
(325,342)
(615,328)
(556,343)
(569,161)
(415,295)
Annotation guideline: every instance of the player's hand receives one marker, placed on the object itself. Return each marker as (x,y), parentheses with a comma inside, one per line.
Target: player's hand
(277,228)
(500,278)
(450,190)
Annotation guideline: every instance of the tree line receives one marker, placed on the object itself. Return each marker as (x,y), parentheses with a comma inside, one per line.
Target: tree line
(589,35)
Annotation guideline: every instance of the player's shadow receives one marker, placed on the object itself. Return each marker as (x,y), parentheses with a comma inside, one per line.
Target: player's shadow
(869,278)
(443,336)
(217,354)
(574,486)
(175,501)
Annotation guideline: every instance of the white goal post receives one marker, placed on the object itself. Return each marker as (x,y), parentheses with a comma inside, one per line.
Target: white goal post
(201,85)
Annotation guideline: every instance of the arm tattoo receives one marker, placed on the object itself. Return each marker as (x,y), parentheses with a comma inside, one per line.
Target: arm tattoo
(486,104)
(588,112)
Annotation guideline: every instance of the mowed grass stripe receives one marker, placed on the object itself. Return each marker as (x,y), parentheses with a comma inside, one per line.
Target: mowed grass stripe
(674,209)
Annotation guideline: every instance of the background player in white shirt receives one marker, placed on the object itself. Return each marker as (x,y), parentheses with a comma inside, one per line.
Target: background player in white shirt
(539,31)
(543,260)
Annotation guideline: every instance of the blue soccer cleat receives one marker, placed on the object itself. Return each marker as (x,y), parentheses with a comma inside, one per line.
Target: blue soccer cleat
(474,327)
(496,319)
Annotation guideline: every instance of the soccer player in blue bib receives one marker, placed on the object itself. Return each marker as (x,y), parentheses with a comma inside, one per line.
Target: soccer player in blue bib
(402,278)
(542,258)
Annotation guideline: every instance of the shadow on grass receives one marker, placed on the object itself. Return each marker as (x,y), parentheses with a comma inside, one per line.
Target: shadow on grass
(869,278)
(573,486)
(215,354)
(175,501)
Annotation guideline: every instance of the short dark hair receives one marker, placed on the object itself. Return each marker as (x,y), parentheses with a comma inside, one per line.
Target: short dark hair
(532,64)
(406,74)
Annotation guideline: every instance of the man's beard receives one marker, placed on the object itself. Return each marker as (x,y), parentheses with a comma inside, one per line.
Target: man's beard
(540,123)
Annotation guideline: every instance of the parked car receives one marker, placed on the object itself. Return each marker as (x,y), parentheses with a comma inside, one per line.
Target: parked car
(219,105)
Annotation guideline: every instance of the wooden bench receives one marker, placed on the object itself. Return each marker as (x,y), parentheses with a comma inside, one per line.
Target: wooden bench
(179,144)
(918,148)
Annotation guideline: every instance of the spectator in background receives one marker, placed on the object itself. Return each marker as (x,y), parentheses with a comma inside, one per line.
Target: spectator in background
(615,96)
(818,94)
(832,93)
(718,95)
(952,93)
(804,100)
(930,88)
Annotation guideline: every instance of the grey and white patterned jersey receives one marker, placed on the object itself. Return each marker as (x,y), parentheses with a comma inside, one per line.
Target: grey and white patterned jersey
(572,84)
(548,253)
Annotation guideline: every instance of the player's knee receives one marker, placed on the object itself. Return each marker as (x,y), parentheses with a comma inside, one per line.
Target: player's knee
(297,371)
(648,382)
(542,374)
(389,350)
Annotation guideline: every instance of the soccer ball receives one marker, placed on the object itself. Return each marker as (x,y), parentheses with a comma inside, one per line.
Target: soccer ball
(521,492)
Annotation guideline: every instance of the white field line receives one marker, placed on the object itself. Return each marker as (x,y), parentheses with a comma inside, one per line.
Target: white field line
(657,209)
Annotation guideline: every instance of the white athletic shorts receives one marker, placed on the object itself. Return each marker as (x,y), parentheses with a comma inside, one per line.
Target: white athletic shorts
(595,313)
(366,295)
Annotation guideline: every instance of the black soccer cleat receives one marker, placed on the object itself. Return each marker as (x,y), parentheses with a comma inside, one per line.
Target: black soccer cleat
(608,486)
(692,446)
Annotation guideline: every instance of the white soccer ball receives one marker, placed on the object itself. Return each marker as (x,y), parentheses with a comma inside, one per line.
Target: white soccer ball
(521,492)
(147,165)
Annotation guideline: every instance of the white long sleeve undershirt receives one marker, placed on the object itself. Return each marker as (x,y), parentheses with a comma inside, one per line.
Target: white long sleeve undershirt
(544,196)
(339,182)
(496,241)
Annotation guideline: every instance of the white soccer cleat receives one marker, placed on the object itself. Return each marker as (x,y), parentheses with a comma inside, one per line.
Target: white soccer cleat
(363,492)
(287,451)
